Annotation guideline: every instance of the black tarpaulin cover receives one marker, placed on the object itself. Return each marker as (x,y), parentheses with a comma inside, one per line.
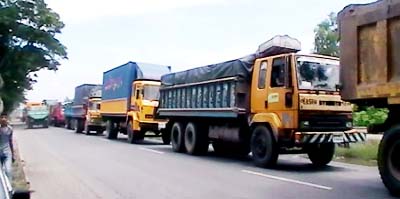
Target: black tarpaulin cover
(234,68)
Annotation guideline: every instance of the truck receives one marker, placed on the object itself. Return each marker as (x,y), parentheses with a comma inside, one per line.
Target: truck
(272,102)
(129,100)
(56,117)
(36,113)
(85,110)
(67,112)
(370,73)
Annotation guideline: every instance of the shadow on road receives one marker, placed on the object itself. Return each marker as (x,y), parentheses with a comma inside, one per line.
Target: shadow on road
(287,163)
(146,141)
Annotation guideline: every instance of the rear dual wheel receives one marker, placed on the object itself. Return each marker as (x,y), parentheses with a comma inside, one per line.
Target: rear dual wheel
(389,160)
(196,139)
(111,130)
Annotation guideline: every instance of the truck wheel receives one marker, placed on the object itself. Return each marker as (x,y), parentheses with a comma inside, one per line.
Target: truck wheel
(68,124)
(133,136)
(263,147)
(196,142)
(166,137)
(99,132)
(177,139)
(389,161)
(321,154)
(111,132)
(29,125)
(79,126)
(86,128)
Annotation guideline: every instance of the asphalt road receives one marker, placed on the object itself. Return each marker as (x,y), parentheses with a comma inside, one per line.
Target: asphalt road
(62,164)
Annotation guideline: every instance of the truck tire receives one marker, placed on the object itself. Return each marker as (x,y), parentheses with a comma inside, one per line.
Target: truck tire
(29,125)
(321,154)
(79,126)
(166,137)
(133,136)
(264,147)
(111,131)
(86,128)
(68,124)
(196,140)
(99,132)
(177,139)
(389,161)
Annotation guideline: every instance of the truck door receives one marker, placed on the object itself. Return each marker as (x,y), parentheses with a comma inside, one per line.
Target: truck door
(274,89)
(136,97)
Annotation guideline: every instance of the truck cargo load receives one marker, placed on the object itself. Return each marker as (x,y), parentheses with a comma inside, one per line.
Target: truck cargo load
(369,51)
(370,74)
(224,86)
(241,67)
(117,84)
(83,92)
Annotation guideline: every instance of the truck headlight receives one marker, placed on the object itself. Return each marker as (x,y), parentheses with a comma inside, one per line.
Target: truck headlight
(349,124)
(304,124)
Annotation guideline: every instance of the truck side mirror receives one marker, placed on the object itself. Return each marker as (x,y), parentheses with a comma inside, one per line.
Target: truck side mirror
(339,86)
(289,99)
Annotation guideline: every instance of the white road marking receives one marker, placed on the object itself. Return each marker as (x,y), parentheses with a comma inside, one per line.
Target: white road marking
(288,180)
(151,150)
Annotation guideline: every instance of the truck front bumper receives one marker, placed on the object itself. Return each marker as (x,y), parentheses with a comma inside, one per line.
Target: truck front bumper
(350,136)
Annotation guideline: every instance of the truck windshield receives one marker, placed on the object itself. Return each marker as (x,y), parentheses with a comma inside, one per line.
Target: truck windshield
(317,73)
(151,92)
(37,108)
(94,106)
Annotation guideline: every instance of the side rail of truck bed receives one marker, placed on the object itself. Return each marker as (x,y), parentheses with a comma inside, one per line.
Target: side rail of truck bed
(227,97)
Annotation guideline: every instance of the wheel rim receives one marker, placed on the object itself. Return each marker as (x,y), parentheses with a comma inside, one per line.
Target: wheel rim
(394,160)
(259,146)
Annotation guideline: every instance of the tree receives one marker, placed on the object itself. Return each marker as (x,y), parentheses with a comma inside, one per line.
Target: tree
(326,41)
(27,45)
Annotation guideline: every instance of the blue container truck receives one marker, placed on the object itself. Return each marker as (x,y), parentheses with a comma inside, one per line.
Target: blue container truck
(130,96)
(83,115)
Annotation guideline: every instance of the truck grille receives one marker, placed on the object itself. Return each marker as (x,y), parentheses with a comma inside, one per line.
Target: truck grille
(325,122)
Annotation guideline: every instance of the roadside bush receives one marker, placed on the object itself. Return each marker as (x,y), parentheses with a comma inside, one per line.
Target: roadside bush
(370,116)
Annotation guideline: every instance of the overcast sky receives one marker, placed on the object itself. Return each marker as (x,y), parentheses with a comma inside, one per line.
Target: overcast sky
(101,35)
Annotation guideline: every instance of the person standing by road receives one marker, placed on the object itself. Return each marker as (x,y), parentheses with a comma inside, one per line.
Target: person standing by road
(6,145)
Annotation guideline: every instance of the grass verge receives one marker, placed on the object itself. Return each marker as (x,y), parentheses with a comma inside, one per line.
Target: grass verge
(19,180)
(359,153)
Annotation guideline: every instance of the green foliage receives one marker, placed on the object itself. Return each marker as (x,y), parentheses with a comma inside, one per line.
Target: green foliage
(27,45)
(359,153)
(326,39)
(370,116)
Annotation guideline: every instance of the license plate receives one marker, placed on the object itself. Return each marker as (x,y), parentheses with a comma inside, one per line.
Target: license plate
(338,139)
(162,125)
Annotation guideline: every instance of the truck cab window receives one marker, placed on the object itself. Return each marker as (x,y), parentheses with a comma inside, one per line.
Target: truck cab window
(262,75)
(278,72)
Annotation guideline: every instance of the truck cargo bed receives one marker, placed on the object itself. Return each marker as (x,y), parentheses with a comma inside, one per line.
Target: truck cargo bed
(226,97)
(369,52)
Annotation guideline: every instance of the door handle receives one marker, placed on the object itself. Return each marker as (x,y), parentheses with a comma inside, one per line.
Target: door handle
(266,104)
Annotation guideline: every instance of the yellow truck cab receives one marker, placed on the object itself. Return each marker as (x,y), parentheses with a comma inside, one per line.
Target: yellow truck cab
(144,101)
(130,98)
(93,120)
(272,102)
